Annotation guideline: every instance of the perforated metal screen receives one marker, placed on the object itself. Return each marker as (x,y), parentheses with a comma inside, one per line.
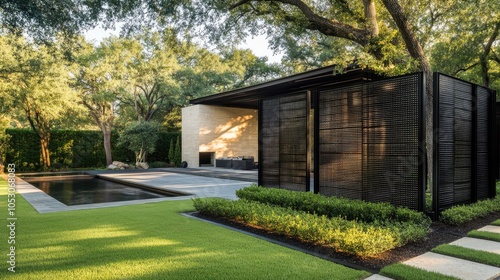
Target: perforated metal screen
(369,141)
(283,142)
(340,142)
(483,140)
(464,166)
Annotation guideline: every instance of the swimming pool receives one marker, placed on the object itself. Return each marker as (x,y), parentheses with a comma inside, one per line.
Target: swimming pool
(87,189)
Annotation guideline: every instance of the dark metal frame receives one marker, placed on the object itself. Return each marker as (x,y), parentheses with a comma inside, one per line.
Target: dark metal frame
(422,166)
(473,186)
(316,141)
(259,144)
(492,144)
(313,94)
(435,160)
(308,140)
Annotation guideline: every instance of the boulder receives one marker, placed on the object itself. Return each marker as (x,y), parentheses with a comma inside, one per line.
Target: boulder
(142,165)
(112,166)
(118,165)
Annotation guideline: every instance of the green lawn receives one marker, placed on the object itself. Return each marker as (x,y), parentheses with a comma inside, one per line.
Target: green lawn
(401,271)
(484,235)
(468,254)
(149,241)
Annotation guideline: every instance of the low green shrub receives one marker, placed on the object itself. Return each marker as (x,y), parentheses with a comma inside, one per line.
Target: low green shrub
(460,214)
(352,237)
(334,206)
(410,225)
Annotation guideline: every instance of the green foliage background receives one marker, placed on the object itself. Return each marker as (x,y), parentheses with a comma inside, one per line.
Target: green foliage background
(75,149)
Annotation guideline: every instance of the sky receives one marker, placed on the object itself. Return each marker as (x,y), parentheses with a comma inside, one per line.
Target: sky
(258,44)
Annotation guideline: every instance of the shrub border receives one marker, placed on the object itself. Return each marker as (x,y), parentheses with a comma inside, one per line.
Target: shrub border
(354,237)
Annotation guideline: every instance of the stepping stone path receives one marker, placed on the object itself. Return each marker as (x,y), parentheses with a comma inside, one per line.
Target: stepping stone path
(452,266)
(378,277)
(478,244)
(459,268)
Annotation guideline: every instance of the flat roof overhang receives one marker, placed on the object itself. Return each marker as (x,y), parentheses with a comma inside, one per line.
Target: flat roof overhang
(248,97)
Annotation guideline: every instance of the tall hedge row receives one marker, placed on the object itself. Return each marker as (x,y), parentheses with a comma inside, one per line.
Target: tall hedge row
(75,149)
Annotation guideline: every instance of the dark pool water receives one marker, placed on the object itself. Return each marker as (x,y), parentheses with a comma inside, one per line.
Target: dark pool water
(87,190)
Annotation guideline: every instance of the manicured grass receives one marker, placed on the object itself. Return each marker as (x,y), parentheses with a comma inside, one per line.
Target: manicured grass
(496,223)
(484,235)
(346,236)
(401,271)
(149,241)
(468,254)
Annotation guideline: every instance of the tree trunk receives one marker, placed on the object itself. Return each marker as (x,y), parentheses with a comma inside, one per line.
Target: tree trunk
(371,17)
(44,145)
(138,156)
(415,50)
(41,127)
(105,122)
(483,60)
(107,144)
(1,163)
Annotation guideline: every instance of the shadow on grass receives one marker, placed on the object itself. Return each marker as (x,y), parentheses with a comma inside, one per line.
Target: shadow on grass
(148,241)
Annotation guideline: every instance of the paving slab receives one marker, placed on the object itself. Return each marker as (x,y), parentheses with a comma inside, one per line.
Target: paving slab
(490,228)
(478,244)
(191,186)
(214,172)
(451,266)
(378,277)
(194,185)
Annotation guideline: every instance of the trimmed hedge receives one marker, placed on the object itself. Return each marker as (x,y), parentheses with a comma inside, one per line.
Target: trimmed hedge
(460,214)
(408,225)
(74,149)
(346,236)
(334,206)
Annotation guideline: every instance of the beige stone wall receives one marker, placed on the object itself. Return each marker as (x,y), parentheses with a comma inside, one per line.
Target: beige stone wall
(225,131)
(190,135)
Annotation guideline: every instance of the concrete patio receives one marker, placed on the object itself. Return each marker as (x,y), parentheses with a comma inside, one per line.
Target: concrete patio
(190,185)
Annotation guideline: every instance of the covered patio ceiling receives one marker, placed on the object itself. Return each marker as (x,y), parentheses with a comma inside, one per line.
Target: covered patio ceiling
(248,97)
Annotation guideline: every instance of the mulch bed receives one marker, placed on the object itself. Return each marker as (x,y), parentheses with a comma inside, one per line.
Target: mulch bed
(439,234)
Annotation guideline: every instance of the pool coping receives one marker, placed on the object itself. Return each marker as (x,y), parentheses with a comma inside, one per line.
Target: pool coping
(44,203)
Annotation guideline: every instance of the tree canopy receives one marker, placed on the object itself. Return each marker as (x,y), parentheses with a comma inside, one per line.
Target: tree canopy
(35,85)
(146,77)
(469,46)
(140,137)
(154,68)
(391,36)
